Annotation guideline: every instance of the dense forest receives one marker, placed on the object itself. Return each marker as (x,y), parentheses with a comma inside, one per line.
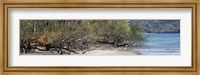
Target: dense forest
(157,26)
(76,36)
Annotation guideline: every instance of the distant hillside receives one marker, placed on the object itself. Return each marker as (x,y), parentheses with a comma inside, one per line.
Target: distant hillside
(157,26)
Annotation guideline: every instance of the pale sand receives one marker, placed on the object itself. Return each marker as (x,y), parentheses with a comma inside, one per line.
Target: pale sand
(109,50)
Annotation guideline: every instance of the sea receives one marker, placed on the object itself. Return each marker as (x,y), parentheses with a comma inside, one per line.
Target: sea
(159,44)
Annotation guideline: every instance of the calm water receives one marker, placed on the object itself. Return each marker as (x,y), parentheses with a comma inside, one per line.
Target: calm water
(160,44)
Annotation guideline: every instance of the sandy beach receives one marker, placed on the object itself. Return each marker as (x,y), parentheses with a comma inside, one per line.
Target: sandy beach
(110,50)
(102,50)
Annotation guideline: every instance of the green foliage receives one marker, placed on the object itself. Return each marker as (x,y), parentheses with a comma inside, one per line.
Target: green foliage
(136,33)
(79,33)
(26,28)
(157,26)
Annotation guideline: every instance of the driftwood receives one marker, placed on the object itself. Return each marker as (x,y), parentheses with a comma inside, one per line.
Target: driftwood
(25,48)
(93,48)
(70,50)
